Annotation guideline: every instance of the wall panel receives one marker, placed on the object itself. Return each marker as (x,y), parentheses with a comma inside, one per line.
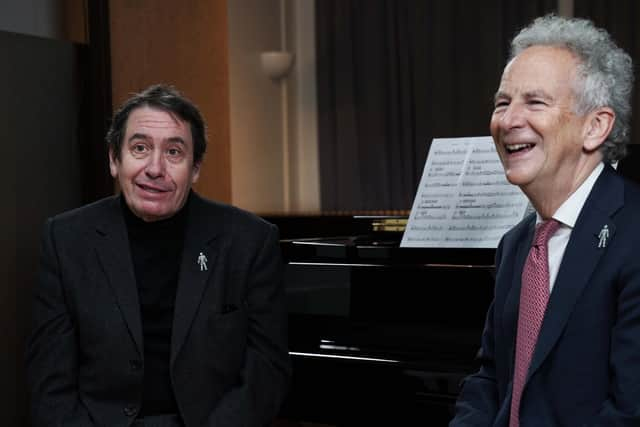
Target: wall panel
(184,44)
(39,82)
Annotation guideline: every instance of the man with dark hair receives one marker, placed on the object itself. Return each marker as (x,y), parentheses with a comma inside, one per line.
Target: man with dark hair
(158,308)
(561,344)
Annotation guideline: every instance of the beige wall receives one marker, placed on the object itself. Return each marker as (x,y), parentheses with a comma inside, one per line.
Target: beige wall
(32,17)
(255,106)
(273,154)
(303,108)
(59,19)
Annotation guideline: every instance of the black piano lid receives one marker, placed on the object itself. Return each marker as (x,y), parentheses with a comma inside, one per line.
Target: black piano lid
(351,239)
(357,250)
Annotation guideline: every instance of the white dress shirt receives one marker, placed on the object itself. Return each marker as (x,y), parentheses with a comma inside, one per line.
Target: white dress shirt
(567,215)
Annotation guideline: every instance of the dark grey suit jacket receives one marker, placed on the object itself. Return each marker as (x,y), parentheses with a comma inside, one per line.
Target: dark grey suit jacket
(229,363)
(585,370)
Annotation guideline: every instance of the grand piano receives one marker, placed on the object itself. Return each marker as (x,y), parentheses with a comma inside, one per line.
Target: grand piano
(378,334)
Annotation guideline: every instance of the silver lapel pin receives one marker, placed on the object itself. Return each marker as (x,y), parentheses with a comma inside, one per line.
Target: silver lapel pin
(202,262)
(603,236)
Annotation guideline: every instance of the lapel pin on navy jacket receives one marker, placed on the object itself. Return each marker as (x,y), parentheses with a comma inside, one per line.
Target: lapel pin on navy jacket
(561,345)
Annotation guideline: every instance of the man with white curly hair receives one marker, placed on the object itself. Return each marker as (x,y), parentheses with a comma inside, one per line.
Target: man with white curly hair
(561,344)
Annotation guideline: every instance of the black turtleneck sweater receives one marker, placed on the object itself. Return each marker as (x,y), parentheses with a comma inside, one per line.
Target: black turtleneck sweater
(156,252)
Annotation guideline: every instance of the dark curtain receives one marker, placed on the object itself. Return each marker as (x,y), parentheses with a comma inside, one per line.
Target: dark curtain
(621,18)
(393,75)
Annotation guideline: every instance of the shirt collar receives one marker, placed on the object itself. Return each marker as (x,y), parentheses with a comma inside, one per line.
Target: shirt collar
(567,213)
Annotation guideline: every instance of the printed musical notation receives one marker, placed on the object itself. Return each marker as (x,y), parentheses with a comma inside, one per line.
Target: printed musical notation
(463,199)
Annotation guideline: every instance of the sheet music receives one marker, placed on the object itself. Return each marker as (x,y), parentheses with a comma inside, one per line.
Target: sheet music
(464,199)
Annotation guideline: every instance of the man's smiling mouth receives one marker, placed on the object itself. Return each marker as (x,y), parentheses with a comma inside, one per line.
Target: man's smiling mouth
(514,148)
(151,189)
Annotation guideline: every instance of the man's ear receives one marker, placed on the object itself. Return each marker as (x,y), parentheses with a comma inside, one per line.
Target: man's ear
(113,164)
(598,127)
(195,173)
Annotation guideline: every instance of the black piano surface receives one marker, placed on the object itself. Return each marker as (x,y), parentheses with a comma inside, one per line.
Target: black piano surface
(378,334)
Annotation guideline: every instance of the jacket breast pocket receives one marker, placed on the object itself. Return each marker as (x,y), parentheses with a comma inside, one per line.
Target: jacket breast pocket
(228,330)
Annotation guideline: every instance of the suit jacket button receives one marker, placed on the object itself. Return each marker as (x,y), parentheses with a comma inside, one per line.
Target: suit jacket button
(130,411)
(135,365)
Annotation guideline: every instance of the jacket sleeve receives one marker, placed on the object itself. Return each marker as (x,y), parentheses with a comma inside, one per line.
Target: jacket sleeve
(477,403)
(256,400)
(51,354)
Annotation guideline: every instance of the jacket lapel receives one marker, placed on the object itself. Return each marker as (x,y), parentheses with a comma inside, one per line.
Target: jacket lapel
(112,247)
(580,259)
(201,234)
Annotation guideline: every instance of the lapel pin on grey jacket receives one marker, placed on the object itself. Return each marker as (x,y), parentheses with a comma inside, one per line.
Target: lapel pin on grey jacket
(202,262)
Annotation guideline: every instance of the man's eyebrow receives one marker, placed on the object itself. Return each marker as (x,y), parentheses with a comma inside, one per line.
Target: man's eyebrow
(527,95)
(537,94)
(176,140)
(499,94)
(138,136)
(173,139)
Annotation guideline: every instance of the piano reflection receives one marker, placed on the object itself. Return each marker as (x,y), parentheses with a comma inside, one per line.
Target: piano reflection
(378,334)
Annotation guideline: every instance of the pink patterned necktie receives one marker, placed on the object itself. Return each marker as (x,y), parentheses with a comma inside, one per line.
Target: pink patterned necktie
(533,303)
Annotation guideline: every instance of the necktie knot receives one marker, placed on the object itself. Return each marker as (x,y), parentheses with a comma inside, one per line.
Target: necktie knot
(544,231)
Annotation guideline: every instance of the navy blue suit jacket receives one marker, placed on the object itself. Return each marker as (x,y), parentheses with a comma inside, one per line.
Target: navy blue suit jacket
(229,364)
(585,370)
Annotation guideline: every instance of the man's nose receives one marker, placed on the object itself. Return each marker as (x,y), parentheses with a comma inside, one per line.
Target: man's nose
(155,166)
(512,117)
